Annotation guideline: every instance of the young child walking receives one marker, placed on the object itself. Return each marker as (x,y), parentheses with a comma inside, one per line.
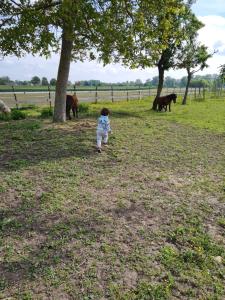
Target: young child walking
(103,129)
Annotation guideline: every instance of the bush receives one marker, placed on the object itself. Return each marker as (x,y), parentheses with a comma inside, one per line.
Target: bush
(4,117)
(17,114)
(46,112)
(83,108)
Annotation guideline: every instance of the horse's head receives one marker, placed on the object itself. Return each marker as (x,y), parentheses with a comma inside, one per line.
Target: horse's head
(174,97)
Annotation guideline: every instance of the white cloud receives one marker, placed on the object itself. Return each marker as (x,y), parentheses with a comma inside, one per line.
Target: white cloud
(213,33)
(213,36)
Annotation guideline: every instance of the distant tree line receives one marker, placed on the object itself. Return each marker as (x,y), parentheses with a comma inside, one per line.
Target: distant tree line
(5,80)
(198,81)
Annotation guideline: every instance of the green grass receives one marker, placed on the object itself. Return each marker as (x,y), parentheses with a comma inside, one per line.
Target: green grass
(208,115)
(142,220)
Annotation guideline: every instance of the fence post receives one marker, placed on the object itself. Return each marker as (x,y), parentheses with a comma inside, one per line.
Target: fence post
(15,97)
(149,91)
(127,95)
(49,97)
(203,93)
(75,89)
(139,92)
(112,93)
(96,94)
(195,93)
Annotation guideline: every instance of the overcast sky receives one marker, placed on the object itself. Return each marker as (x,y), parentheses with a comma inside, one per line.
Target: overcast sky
(211,13)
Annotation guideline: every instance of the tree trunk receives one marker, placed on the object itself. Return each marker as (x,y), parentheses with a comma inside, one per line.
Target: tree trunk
(186,90)
(62,79)
(160,86)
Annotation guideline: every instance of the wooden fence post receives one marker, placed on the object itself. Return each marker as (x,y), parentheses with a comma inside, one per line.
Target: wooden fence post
(127,95)
(75,89)
(96,94)
(49,97)
(112,93)
(203,93)
(15,97)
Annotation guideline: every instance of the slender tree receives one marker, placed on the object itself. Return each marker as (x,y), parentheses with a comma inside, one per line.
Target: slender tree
(193,57)
(184,26)
(222,76)
(163,29)
(222,71)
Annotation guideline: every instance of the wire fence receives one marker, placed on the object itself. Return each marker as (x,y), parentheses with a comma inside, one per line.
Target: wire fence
(40,98)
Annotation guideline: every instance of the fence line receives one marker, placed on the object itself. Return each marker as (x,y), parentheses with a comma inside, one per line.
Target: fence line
(97,95)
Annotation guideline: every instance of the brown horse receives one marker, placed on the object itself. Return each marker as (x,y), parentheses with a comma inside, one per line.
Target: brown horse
(71,103)
(164,101)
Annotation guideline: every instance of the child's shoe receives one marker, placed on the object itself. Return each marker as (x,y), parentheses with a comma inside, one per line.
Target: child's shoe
(99,150)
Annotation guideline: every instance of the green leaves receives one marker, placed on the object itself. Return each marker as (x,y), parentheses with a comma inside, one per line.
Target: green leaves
(134,31)
(193,56)
(222,71)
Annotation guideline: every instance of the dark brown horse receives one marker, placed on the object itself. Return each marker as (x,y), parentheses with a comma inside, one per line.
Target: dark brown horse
(71,103)
(164,101)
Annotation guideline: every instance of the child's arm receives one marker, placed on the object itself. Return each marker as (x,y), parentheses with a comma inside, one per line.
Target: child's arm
(109,127)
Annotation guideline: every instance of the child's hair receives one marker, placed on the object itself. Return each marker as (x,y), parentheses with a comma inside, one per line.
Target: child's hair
(105,112)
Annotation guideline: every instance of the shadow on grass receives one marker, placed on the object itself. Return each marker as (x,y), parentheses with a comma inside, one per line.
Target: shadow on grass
(126,114)
(27,142)
(49,237)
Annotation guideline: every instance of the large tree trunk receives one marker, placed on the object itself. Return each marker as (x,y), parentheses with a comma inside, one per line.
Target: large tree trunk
(160,86)
(62,79)
(186,90)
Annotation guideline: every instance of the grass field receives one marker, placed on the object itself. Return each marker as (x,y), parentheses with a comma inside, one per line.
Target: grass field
(145,219)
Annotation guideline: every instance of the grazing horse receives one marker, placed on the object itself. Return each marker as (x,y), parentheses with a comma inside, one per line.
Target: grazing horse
(71,103)
(4,108)
(164,101)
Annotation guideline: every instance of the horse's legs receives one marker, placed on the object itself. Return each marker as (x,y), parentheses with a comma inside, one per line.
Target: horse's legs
(68,114)
(159,107)
(169,108)
(73,109)
(77,112)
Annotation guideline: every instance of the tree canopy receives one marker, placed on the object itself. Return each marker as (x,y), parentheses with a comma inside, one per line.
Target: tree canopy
(35,80)
(134,31)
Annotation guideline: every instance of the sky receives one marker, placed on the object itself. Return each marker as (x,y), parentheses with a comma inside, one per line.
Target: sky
(211,13)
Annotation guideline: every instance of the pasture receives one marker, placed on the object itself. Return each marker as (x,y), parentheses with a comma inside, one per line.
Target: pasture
(41,97)
(145,219)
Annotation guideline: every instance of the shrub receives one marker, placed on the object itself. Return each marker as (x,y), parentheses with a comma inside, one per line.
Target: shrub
(83,108)
(46,112)
(4,117)
(17,114)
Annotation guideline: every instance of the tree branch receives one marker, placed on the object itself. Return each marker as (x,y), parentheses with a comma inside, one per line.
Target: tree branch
(46,6)
(17,4)
(5,21)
